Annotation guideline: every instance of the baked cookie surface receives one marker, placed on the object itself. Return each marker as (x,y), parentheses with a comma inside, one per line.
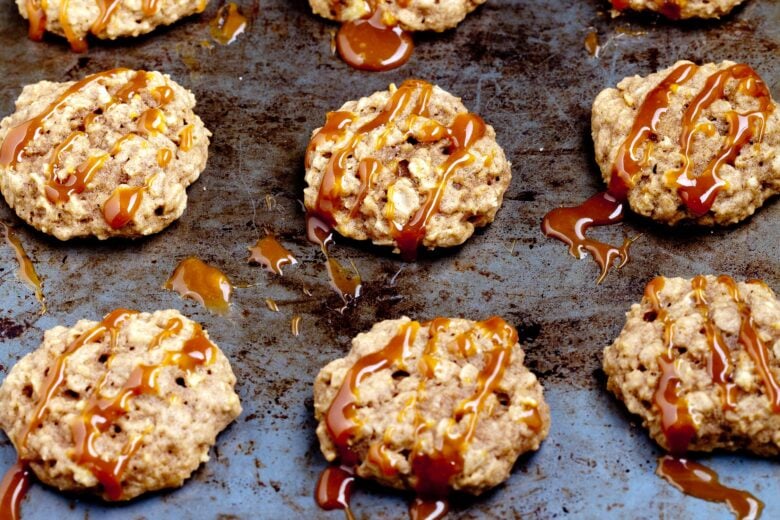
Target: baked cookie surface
(411,397)
(406,167)
(695,143)
(135,402)
(680,9)
(104,19)
(410,15)
(109,155)
(698,361)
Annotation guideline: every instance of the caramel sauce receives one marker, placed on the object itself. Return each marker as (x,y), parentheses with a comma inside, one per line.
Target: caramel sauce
(150,7)
(750,339)
(271,304)
(121,206)
(334,489)
(26,271)
(77,43)
(18,137)
(101,413)
(346,283)
(373,45)
(569,224)
(295,325)
(164,157)
(228,24)
(151,122)
(432,471)
(676,421)
(413,97)
(37,19)
(701,482)
(13,488)
(207,285)
(592,43)
(272,255)
(698,192)
(185,138)
(106,8)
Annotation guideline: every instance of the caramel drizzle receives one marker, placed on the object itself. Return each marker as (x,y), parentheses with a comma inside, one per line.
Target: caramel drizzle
(699,192)
(411,98)
(431,471)
(677,423)
(102,413)
(374,43)
(198,281)
(26,271)
(272,255)
(120,207)
(13,489)
(347,283)
(228,23)
(701,482)
(37,16)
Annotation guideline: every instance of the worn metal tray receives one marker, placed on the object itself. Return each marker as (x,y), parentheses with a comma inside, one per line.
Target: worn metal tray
(523,66)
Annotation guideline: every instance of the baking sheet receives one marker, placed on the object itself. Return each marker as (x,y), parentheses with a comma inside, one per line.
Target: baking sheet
(522,65)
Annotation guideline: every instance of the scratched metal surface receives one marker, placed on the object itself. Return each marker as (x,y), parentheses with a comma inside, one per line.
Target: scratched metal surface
(522,65)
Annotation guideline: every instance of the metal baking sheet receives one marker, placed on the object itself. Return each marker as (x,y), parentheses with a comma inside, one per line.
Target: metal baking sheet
(523,66)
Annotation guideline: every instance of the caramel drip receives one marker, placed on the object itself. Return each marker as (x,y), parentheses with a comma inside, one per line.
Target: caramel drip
(719,364)
(412,97)
(701,482)
(295,325)
(107,8)
(346,283)
(569,224)
(150,7)
(372,44)
(59,190)
(676,421)
(431,472)
(272,255)
(13,488)
(18,137)
(428,509)
(207,285)
(163,94)
(121,206)
(334,489)
(750,339)
(164,157)
(37,18)
(26,271)
(151,122)
(699,192)
(101,413)
(228,24)
(77,43)
(55,376)
(186,138)
(592,43)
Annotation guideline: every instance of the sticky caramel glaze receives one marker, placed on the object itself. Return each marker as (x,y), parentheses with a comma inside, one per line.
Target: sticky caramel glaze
(272,255)
(26,271)
(719,364)
(371,44)
(432,472)
(227,24)
(207,285)
(152,122)
(569,224)
(37,19)
(750,339)
(77,43)
(121,206)
(698,192)
(13,489)
(346,283)
(164,157)
(334,489)
(18,137)
(185,138)
(676,421)
(592,43)
(102,413)
(421,509)
(700,481)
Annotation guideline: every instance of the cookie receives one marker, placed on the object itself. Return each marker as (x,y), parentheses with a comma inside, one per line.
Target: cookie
(109,155)
(121,407)
(410,15)
(690,143)
(680,9)
(435,406)
(104,19)
(406,167)
(698,362)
